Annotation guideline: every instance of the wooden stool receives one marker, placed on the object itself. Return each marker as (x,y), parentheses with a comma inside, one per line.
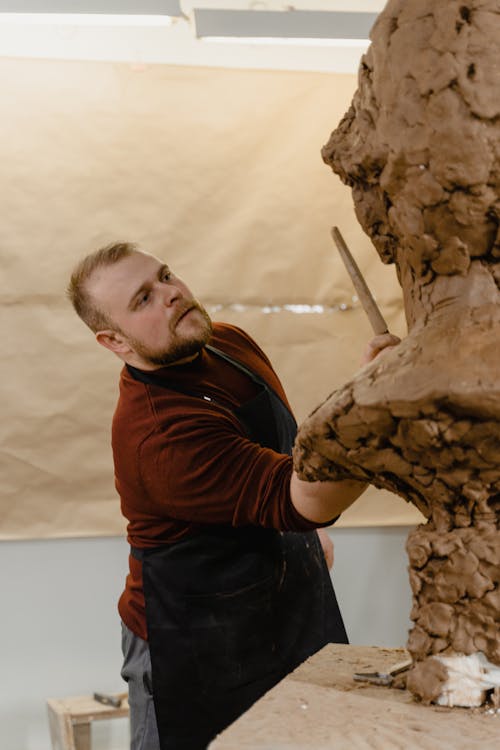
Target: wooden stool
(70,719)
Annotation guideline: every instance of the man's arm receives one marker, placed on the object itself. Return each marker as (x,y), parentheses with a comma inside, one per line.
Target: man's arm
(321,501)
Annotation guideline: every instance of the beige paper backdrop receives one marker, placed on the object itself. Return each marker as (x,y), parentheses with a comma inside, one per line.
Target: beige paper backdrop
(219,172)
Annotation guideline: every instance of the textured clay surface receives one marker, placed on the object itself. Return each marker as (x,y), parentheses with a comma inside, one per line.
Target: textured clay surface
(420,148)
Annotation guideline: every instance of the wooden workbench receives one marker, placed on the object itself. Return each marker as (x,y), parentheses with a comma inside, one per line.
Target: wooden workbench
(321,707)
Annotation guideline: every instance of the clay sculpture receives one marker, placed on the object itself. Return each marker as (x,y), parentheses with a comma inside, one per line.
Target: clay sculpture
(420,148)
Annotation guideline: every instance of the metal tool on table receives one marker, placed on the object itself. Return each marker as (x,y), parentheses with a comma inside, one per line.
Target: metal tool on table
(110,700)
(365,296)
(383,678)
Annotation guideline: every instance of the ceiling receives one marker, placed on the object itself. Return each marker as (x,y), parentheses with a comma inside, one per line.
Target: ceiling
(329,35)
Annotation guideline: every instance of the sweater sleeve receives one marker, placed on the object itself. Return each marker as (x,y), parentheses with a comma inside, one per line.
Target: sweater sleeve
(201,468)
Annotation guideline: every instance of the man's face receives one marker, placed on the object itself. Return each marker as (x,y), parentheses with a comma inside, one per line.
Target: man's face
(155,316)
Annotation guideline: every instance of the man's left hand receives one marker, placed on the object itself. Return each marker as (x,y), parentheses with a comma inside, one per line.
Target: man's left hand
(327,545)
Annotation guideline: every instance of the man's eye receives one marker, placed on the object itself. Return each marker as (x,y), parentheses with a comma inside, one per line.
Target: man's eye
(166,275)
(143,299)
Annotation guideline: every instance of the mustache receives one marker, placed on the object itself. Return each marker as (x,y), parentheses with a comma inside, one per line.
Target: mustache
(184,307)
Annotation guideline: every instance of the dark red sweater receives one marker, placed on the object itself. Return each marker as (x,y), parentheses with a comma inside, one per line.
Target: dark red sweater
(182,462)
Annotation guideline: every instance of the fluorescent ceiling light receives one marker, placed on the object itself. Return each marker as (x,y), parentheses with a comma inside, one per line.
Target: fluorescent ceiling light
(280,41)
(290,24)
(82,19)
(105,7)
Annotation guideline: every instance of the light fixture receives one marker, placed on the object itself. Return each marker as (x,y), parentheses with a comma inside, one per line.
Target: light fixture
(82,19)
(103,7)
(300,25)
(89,13)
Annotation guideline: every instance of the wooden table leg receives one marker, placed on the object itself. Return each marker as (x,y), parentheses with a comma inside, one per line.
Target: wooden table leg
(81,735)
(70,720)
(61,728)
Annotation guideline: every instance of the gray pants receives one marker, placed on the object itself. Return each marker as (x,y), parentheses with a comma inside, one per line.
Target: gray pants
(136,671)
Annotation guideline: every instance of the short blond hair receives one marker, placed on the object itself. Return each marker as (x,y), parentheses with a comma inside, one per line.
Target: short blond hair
(85,306)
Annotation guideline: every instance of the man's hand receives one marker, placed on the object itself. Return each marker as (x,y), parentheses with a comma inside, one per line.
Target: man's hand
(327,546)
(320,502)
(377,345)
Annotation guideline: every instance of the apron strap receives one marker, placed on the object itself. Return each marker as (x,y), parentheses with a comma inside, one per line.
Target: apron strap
(266,418)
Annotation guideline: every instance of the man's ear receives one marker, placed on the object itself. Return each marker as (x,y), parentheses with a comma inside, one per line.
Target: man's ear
(113,341)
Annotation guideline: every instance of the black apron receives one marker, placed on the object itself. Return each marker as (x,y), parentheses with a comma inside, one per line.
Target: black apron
(231,611)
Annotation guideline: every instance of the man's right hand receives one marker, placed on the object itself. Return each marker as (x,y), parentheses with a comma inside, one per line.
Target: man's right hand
(379,344)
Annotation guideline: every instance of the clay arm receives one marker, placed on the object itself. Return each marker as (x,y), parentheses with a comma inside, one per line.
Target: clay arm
(320,502)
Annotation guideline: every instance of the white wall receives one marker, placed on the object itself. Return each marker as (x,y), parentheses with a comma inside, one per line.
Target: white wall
(371,582)
(60,631)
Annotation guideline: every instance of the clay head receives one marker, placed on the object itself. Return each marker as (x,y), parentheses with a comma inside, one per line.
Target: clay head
(419,145)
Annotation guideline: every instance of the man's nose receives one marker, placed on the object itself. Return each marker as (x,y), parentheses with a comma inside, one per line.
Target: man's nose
(170,293)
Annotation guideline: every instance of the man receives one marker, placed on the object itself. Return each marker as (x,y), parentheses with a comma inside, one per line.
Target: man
(218,600)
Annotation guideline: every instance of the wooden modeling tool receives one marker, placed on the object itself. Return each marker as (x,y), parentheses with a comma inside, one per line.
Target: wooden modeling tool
(365,296)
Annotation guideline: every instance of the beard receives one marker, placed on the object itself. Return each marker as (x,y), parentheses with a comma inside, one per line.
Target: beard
(182,345)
